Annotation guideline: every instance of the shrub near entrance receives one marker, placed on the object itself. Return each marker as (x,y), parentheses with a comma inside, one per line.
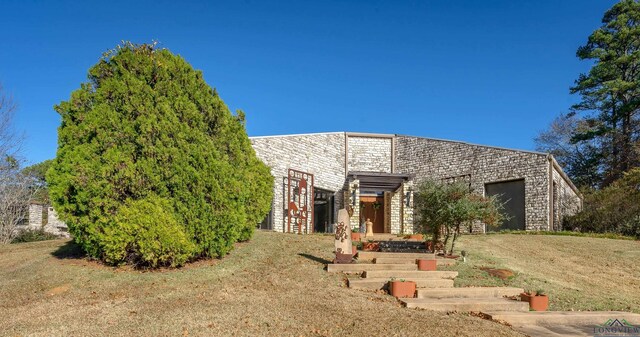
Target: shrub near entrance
(152,169)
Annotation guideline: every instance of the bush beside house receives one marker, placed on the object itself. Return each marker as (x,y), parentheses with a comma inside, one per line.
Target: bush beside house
(152,168)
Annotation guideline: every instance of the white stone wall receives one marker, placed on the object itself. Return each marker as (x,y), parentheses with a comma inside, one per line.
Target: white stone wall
(565,200)
(354,201)
(55,225)
(330,156)
(50,224)
(408,226)
(396,204)
(438,159)
(319,154)
(36,220)
(369,154)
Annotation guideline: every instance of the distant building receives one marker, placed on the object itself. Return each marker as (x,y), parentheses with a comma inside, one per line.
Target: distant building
(376,174)
(45,217)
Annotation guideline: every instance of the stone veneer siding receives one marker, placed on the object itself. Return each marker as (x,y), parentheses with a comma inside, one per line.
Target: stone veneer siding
(319,154)
(438,159)
(369,154)
(564,199)
(36,218)
(50,224)
(330,156)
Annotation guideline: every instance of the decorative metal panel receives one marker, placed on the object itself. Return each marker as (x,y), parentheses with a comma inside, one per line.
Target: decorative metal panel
(299,202)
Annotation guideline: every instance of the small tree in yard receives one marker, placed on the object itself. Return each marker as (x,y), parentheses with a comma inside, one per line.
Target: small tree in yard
(444,208)
(152,168)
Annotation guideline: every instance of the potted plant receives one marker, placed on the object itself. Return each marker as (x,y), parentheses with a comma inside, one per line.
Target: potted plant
(371,246)
(427,264)
(355,236)
(401,288)
(417,237)
(538,301)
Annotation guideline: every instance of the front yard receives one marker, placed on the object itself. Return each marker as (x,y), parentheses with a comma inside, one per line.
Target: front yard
(274,285)
(578,273)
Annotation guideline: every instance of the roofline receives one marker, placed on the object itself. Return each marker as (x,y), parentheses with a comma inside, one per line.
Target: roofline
(473,144)
(298,134)
(565,177)
(391,135)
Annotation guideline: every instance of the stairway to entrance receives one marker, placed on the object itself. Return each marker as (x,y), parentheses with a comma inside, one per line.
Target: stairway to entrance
(435,289)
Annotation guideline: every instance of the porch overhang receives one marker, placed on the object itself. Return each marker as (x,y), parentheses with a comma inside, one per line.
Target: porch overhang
(380,181)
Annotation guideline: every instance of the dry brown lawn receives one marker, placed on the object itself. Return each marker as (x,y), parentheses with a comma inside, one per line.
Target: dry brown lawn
(578,273)
(274,285)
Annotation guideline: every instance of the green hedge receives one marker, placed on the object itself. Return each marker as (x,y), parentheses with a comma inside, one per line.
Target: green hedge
(32,235)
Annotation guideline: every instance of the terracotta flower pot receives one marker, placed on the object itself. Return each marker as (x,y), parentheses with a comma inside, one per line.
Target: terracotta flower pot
(427,264)
(536,302)
(354,251)
(355,236)
(402,289)
(417,237)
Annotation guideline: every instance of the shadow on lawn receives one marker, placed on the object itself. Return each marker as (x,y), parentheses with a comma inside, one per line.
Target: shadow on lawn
(314,258)
(70,250)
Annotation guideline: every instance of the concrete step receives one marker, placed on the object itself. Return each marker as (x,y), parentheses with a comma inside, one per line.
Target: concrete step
(365,255)
(561,317)
(558,331)
(404,274)
(469,292)
(358,268)
(382,283)
(465,304)
(394,260)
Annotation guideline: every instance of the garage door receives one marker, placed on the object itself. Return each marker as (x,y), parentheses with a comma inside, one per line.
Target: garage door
(511,194)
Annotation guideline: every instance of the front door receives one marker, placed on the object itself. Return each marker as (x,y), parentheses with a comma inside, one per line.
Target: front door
(372,208)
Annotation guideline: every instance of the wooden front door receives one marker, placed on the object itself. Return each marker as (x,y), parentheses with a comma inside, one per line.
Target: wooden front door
(373,209)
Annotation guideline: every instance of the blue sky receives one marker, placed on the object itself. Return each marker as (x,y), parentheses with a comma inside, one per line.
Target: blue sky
(489,72)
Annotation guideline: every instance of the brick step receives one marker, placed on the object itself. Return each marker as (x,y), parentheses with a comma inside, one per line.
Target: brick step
(561,317)
(366,255)
(383,283)
(469,292)
(358,268)
(406,274)
(465,304)
(407,260)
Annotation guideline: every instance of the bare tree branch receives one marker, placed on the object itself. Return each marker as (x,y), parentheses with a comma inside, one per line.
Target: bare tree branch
(15,187)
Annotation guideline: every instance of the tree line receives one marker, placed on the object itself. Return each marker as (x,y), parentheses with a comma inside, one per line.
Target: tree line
(598,140)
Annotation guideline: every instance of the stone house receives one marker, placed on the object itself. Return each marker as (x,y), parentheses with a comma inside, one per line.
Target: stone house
(42,216)
(376,174)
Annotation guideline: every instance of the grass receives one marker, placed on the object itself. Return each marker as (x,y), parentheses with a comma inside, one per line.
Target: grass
(578,273)
(274,285)
(570,233)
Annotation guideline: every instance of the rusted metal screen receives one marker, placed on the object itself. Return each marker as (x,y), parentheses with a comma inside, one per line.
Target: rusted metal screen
(299,202)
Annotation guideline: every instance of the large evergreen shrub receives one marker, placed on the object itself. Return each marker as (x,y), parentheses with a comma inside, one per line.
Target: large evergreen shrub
(152,168)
